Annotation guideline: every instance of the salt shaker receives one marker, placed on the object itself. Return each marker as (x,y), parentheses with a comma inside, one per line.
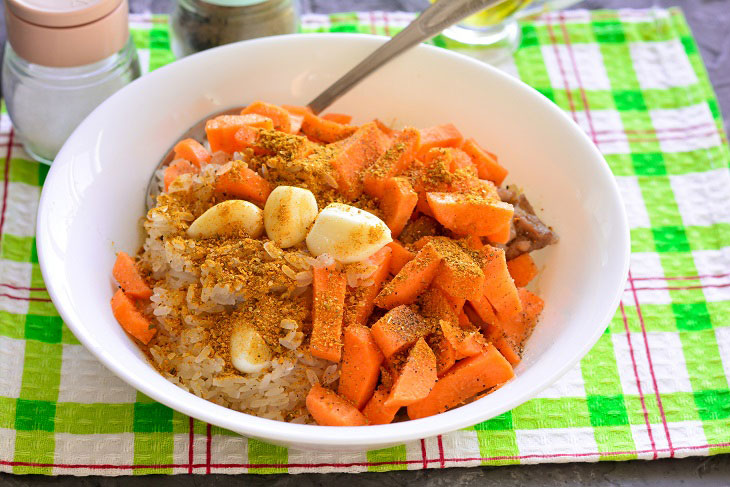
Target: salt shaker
(62,59)
(202,24)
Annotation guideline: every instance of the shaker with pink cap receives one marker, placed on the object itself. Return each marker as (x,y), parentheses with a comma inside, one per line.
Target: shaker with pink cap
(62,59)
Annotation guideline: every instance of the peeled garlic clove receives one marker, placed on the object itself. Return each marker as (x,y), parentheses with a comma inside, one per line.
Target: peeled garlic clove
(249,352)
(288,214)
(228,217)
(347,233)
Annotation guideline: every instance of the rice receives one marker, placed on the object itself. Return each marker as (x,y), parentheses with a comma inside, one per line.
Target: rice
(185,302)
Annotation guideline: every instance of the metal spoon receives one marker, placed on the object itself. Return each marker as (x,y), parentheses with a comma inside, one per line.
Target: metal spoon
(430,22)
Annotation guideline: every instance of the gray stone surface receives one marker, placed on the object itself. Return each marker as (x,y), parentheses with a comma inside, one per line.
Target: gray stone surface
(710,22)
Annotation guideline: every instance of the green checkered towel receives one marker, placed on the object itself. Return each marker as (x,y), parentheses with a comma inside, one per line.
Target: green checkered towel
(655,385)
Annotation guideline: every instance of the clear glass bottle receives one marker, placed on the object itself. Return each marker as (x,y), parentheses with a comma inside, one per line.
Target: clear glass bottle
(52,79)
(201,24)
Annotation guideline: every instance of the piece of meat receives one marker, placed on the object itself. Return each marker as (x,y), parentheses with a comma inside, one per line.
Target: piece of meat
(528,231)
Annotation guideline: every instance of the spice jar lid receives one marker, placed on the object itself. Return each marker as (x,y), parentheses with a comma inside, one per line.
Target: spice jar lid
(65,33)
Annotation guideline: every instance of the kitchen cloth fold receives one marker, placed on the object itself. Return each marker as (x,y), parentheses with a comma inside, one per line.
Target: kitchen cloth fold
(654,386)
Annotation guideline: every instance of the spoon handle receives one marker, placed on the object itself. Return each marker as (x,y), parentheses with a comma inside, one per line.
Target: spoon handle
(430,22)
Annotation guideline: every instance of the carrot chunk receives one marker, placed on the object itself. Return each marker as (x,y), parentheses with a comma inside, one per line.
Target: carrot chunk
(466,379)
(446,135)
(177,168)
(522,269)
(397,203)
(501,236)
(444,352)
(241,182)
(458,274)
(130,318)
(412,279)
(393,162)
(361,360)
(376,411)
(499,288)
(400,328)
(361,300)
(474,242)
(338,117)
(486,162)
(329,409)
(399,256)
(325,130)
(364,147)
(221,130)
(517,327)
(465,342)
(454,159)
(193,151)
(385,128)
(278,115)
(126,273)
(329,288)
(468,214)
(505,346)
(416,378)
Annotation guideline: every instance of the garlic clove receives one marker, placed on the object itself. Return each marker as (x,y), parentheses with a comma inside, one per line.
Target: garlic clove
(249,352)
(227,217)
(288,214)
(347,233)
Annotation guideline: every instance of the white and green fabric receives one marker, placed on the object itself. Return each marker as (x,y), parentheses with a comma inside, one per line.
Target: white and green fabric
(655,385)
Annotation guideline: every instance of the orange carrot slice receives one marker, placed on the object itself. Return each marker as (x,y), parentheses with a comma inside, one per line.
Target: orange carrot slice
(126,273)
(376,411)
(329,409)
(446,135)
(466,379)
(444,352)
(486,162)
(412,279)
(397,203)
(361,300)
(400,328)
(501,236)
(360,369)
(193,151)
(458,274)
(130,318)
(416,378)
(338,117)
(278,115)
(221,130)
(517,327)
(393,162)
(399,256)
(465,342)
(176,169)
(468,214)
(522,269)
(241,182)
(329,288)
(499,288)
(364,147)
(474,242)
(325,130)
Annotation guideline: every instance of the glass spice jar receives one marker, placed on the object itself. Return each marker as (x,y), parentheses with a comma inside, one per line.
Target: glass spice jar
(62,59)
(201,24)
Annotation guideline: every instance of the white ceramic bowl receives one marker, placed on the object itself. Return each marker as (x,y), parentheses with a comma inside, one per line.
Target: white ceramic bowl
(93,199)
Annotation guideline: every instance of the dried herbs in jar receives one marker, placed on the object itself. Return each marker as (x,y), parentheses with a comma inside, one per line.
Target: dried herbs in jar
(201,24)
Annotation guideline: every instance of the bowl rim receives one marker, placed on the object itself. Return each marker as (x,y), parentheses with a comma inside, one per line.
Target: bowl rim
(333,436)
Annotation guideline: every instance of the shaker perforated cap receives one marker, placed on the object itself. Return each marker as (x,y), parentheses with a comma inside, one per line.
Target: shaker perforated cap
(63,33)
